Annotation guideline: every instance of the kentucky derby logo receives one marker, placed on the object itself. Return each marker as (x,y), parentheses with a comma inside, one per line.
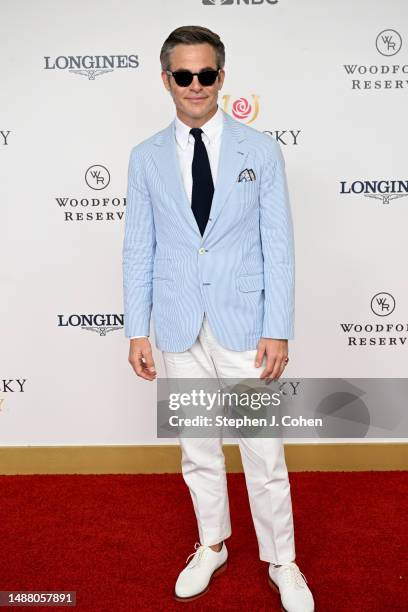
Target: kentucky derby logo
(4,136)
(241,108)
(11,385)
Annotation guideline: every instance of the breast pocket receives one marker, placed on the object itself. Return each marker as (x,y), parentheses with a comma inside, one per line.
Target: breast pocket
(247,192)
(251,282)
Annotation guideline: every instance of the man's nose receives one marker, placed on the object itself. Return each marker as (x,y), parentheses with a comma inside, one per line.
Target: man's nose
(195,84)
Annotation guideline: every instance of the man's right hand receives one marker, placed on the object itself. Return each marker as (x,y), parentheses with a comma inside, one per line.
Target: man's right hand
(141,358)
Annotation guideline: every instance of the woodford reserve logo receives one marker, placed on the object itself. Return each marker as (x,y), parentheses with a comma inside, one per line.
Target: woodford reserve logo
(102,324)
(386,333)
(390,75)
(84,207)
(91,66)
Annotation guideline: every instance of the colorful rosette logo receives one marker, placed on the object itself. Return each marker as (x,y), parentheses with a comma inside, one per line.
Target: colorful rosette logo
(241,108)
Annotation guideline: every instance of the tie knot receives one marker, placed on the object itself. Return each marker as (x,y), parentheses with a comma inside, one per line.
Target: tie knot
(196,133)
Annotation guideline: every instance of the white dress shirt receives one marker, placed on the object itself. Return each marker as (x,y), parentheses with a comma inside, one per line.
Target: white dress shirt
(211,136)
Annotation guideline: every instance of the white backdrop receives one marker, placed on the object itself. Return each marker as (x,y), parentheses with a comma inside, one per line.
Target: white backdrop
(61,384)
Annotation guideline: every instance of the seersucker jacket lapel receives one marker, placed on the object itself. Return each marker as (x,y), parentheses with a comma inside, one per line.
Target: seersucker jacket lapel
(233,153)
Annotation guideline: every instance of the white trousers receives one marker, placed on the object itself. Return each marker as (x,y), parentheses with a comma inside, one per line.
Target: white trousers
(263,459)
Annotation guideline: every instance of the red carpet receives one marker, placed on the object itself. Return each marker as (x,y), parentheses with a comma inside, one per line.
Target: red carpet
(120,541)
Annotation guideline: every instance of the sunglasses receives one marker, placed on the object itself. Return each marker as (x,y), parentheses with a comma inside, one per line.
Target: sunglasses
(184,78)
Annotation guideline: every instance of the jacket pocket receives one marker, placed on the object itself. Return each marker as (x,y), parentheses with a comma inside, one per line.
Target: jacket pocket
(251,282)
(247,192)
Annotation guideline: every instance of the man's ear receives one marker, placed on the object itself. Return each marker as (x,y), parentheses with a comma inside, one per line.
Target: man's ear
(221,77)
(165,79)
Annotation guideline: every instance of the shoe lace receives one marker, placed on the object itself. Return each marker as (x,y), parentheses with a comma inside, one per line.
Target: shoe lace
(292,574)
(197,554)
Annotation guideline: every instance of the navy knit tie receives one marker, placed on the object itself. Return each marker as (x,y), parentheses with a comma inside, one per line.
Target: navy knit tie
(203,186)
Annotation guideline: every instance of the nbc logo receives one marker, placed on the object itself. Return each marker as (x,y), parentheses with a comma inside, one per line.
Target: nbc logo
(253,2)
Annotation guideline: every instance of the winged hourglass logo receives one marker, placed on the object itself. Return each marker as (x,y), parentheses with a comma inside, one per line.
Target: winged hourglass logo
(91,73)
(385,197)
(213,2)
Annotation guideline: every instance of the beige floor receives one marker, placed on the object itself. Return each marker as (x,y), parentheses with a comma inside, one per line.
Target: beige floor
(161,459)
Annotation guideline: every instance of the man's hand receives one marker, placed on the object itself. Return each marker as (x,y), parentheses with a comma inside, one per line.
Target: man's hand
(276,357)
(141,358)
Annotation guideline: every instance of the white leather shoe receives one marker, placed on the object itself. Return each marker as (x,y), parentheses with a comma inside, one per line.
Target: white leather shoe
(193,581)
(291,585)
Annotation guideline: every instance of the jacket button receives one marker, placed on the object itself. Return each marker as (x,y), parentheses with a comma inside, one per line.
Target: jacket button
(201,250)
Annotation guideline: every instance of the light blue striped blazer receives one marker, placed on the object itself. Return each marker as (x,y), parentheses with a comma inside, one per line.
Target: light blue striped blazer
(240,272)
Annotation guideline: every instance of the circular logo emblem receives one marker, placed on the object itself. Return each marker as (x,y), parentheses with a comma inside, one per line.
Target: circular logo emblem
(97,177)
(241,108)
(388,42)
(383,304)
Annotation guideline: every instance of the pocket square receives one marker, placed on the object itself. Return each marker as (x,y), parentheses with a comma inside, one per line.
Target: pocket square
(247,175)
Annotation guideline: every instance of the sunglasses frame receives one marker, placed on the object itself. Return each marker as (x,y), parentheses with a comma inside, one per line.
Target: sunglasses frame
(193,74)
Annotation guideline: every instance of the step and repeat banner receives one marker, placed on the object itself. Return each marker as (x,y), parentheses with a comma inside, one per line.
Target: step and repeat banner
(81,85)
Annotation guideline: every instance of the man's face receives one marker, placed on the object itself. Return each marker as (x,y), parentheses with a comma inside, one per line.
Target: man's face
(196,103)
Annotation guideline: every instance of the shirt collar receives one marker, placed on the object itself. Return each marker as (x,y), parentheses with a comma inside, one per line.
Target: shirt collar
(212,128)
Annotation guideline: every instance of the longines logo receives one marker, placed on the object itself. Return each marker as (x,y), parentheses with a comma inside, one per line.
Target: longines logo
(222,2)
(382,304)
(4,137)
(102,324)
(91,66)
(384,191)
(11,385)
(380,76)
(85,208)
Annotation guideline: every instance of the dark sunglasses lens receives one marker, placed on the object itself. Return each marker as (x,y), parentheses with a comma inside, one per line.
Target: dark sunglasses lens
(207,77)
(183,78)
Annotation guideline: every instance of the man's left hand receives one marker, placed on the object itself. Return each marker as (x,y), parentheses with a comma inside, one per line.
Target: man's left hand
(276,351)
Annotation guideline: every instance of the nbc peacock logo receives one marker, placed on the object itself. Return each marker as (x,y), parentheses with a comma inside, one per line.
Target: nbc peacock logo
(241,108)
(215,2)
(238,2)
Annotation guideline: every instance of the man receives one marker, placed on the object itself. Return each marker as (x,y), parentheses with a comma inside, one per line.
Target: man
(208,250)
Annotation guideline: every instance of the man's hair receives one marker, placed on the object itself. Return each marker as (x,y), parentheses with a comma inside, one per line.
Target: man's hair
(191,35)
